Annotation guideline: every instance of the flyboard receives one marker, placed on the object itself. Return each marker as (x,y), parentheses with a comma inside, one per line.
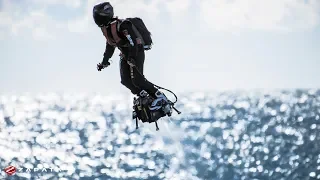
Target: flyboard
(143,112)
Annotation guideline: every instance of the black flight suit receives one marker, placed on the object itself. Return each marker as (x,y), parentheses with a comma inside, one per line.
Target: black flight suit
(130,50)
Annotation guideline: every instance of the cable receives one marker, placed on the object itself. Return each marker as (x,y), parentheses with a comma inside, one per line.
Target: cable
(159,87)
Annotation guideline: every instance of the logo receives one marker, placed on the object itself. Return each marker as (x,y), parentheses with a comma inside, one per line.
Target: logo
(130,40)
(10,170)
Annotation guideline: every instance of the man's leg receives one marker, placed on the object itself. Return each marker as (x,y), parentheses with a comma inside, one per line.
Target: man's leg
(126,77)
(137,76)
(139,80)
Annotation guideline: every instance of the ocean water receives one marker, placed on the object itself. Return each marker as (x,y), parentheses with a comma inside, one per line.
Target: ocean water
(225,136)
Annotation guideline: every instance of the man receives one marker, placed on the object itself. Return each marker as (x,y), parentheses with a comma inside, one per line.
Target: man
(125,38)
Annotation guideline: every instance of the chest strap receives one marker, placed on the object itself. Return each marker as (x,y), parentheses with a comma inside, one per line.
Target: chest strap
(112,38)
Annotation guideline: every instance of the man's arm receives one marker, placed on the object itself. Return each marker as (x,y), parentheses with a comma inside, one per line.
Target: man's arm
(108,53)
(127,31)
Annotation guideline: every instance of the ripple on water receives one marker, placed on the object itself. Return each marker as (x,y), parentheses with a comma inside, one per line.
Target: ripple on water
(219,136)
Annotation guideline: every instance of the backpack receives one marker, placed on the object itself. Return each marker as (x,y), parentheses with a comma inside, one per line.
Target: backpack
(142,32)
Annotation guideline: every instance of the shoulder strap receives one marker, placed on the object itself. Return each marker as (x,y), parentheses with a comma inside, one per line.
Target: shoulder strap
(114,29)
(120,21)
(107,36)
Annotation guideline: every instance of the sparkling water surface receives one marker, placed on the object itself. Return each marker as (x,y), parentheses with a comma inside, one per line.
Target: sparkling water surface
(231,135)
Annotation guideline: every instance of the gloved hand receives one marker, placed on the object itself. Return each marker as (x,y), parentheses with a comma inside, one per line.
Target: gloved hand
(131,62)
(101,66)
(105,63)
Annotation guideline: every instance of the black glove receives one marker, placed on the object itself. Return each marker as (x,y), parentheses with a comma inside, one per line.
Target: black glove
(105,63)
(101,66)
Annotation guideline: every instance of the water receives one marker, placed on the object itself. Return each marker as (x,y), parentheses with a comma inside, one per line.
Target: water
(232,135)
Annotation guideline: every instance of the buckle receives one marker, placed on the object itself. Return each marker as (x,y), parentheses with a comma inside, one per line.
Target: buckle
(143,93)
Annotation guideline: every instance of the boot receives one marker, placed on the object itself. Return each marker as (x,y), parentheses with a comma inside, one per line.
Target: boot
(159,102)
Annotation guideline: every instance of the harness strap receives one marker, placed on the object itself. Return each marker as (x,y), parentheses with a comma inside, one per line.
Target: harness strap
(109,39)
(112,38)
(114,32)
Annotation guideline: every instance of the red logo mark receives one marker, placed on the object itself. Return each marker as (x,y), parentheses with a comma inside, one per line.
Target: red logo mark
(10,170)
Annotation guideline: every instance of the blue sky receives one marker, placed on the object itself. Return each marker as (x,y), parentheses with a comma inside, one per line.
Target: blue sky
(206,45)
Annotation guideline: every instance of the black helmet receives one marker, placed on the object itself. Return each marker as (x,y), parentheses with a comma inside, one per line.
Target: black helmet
(102,14)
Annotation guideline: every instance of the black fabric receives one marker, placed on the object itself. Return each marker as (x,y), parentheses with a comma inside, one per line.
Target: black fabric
(126,27)
(142,29)
(135,52)
(108,53)
(132,50)
(137,82)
